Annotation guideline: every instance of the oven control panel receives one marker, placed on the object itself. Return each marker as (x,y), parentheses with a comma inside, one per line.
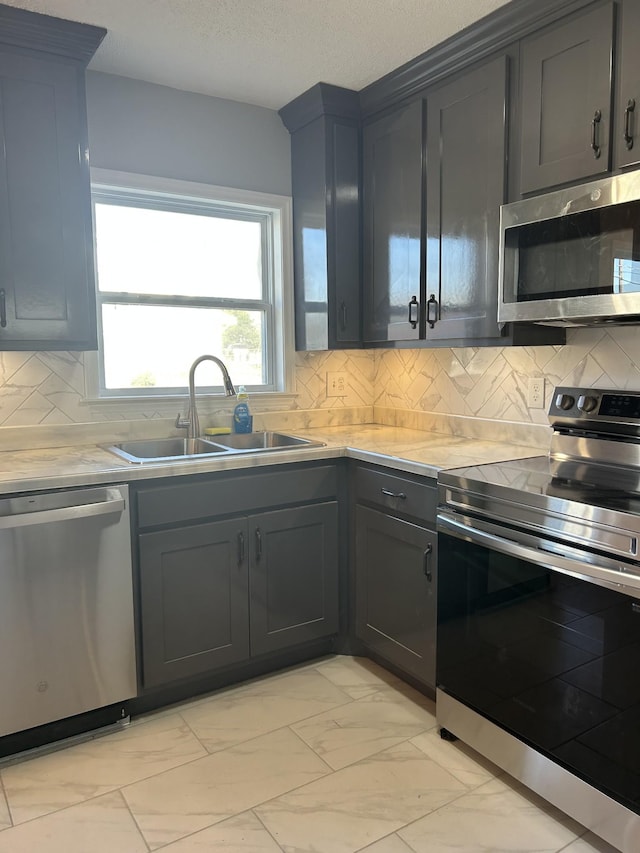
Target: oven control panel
(595,405)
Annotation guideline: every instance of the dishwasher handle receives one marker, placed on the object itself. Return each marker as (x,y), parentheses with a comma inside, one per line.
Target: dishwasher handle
(66,513)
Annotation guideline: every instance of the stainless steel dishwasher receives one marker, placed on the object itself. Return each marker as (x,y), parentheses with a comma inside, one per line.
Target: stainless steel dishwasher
(66,605)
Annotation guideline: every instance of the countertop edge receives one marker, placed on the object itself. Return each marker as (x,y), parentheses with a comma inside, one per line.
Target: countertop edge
(391,447)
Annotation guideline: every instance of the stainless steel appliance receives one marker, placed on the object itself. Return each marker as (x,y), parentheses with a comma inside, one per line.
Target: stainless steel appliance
(66,605)
(572,256)
(538,656)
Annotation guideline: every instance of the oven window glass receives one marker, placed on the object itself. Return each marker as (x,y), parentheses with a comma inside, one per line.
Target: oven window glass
(552,659)
(586,254)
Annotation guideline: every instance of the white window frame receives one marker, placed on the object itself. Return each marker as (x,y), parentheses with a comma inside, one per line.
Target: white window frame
(275,212)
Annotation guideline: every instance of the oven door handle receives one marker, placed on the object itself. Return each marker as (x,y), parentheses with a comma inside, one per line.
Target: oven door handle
(617,577)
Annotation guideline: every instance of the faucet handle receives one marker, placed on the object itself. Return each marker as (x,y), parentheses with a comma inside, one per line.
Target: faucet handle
(182,423)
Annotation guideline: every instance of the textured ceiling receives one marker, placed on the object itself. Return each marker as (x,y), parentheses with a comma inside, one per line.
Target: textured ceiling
(263,51)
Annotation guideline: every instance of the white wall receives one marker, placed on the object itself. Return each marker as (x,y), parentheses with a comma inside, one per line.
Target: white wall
(154,130)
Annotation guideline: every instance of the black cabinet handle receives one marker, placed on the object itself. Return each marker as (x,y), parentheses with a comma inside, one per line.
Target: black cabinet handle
(427,562)
(432,311)
(3,308)
(388,493)
(343,315)
(595,121)
(240,548)
(628,136)
(258,544)
(413,313)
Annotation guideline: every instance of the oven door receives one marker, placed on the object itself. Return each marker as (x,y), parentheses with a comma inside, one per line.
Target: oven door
(540,640)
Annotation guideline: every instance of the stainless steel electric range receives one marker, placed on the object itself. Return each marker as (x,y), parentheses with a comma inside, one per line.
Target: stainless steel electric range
(538,664)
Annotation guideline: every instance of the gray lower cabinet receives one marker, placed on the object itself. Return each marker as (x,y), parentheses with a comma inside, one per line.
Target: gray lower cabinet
(395,569)
(194,600)
(566,100)
(396,591)
(293,576)
(223,578)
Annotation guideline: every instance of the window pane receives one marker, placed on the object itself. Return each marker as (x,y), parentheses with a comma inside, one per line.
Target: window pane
(166,252)
(148,346)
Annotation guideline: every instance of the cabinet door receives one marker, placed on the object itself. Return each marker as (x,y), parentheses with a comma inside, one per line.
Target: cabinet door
(194,600)
(324,123)
(566,101)
(466,140)
(344,233)
(392,199)
(310,258)
(325,166)
(46,270)
(396,591)
(293,576)
(627,116)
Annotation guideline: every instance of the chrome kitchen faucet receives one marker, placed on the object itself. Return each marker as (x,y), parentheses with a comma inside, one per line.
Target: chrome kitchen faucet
(191,422)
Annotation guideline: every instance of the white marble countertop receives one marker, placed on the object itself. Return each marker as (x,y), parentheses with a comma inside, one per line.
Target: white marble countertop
(409,450)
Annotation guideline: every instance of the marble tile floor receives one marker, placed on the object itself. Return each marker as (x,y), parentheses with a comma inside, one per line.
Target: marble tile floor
(334,756)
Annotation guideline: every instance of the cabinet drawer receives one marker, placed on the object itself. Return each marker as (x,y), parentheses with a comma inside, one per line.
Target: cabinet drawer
(397,495)
(234,493)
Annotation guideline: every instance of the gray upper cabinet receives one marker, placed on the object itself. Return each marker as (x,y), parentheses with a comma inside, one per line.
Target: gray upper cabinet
(626,126)
(325,175)
(465,186)
(47,298)
(392,224)
(434,180)
(566,100)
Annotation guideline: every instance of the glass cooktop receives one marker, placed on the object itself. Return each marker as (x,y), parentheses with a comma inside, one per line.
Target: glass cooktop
(541,481)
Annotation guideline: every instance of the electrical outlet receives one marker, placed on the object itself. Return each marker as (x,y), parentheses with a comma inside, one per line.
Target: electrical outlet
(336,384)
(535,393)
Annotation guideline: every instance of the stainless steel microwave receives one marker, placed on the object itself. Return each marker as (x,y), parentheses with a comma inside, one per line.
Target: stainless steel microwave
(572,257)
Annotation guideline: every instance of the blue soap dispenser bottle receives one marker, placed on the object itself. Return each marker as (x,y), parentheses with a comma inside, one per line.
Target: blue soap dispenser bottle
(242,418)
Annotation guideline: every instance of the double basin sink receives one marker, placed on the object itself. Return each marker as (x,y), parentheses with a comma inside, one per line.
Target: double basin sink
(172,449)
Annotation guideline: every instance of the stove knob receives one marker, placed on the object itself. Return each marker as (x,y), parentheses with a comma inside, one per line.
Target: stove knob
(564,401)
(587,404)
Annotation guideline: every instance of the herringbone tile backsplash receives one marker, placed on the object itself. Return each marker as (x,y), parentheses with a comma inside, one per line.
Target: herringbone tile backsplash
(491,382)
(49,388)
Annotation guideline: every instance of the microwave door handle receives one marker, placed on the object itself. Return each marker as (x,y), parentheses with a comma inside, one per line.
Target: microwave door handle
(546,559)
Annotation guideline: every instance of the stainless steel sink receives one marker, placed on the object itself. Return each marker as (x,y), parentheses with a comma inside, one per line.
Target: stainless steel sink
(163,449)
(173,449)
(264,441)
